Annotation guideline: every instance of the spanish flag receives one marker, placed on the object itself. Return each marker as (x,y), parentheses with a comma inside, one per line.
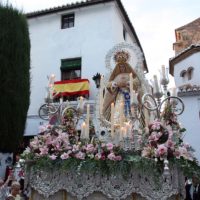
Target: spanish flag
(71,87)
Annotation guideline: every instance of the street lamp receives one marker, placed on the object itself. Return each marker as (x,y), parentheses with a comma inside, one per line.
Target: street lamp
(96,79)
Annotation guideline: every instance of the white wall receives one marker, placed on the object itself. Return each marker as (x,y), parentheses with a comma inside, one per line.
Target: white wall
(191,61)
(190,117)
(190,120)
(97,29)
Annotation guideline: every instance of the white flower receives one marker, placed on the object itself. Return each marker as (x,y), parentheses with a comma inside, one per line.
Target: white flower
(17,197)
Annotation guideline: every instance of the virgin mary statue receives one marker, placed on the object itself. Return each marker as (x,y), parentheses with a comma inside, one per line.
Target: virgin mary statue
(118,88)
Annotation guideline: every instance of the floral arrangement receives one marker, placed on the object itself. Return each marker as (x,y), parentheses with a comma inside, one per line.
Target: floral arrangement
(57,145)
(162,144)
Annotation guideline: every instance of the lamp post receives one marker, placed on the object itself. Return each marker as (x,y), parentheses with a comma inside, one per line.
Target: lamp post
(96,79)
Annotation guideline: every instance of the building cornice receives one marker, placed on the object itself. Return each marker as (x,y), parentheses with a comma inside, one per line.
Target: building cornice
(189,93)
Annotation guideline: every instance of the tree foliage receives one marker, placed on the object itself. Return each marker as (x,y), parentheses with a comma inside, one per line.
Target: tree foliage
(14,76)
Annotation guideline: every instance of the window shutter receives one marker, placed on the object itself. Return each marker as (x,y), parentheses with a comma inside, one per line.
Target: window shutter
(70,64)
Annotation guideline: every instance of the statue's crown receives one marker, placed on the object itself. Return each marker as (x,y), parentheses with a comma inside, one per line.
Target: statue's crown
(121,56)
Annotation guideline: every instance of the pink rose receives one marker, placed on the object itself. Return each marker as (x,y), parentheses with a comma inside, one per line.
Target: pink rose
(44,150)
(64,156)
(118,158)
(177,154)
(80,155)
(53,157)
(109,146)
(170,144)
(103,145)
(162,150)
(98,156)
(111,156)
(90,148)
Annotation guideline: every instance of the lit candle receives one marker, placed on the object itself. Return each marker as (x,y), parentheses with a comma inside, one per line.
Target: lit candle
(112,120)
(101,95)
(83,129)
(163,71)
(156,86)
(131,87)
(88,121)
(53,76)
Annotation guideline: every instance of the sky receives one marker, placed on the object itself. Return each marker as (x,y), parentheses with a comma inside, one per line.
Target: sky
(154,21)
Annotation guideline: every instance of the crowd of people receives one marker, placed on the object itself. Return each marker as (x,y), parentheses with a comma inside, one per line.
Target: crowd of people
(12,189)
(12,184)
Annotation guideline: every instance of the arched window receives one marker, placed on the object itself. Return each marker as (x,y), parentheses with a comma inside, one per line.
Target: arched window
(190,71)
(183,74)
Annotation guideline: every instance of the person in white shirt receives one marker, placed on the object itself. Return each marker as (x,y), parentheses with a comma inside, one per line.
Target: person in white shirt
(193,189)
(4,187)
(14,191)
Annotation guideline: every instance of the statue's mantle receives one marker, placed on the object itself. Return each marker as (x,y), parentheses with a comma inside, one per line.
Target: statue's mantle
(82,185)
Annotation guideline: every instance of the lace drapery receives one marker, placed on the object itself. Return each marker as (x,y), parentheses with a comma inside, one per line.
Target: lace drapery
(81,185)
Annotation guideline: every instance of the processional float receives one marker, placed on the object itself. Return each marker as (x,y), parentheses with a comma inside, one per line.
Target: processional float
(130,147)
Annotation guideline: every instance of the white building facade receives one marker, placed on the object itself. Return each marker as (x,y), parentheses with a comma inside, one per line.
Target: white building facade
(185,69)
(84,31)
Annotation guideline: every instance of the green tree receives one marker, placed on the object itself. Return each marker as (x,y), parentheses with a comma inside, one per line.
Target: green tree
(14,77)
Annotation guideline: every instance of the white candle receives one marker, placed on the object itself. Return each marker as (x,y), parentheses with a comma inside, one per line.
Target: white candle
(146,116)
(125,132)
(81,103)
(135,100)
(88,121)
(61,100)
(128,130)
(163,71)
(132,110)
(121,114)
(101,95)
(121,133)
(174,92)
(112,120)
(156,86)
(51,91)
(83,128)
(131,87)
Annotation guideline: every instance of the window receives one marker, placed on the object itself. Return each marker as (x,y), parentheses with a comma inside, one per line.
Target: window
(178,36)
(190,72)
(71,69)
(67,21)
(183,74)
